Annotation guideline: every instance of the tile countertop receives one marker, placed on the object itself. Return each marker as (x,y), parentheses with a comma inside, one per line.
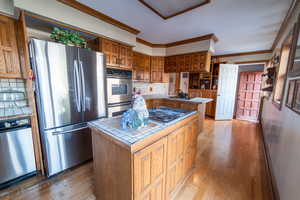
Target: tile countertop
(192,100)
(111,127)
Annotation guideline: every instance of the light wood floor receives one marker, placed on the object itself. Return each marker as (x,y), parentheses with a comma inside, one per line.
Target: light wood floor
(229,166)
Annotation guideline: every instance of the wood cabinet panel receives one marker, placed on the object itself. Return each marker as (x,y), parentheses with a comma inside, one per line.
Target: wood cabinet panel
(141,67)
(212,94)
(149,170)
(117,55)
(157,69)
(175,163)
(192,62)
(9,56)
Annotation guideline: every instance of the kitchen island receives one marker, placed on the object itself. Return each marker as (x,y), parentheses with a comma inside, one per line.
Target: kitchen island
(152,162)
(199,104)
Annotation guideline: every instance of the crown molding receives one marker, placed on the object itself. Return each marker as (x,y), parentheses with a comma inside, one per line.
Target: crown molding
(191,40)
(90,11)
(285,22)
(244,53)
(175,14)
(177,43)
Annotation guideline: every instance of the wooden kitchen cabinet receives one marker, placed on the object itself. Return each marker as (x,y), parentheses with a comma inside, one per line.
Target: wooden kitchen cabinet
(212,94)
(157,69)
(150,170)
(191,62)
(141,67)
(117,54)
(9,56)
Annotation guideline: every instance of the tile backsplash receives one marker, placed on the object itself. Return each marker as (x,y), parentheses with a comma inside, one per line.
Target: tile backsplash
(13,98)
(151,88)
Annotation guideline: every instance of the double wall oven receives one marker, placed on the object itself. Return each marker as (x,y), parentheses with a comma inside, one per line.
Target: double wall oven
(119,91)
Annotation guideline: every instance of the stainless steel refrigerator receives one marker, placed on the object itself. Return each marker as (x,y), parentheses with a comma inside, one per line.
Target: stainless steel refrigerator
(70,91)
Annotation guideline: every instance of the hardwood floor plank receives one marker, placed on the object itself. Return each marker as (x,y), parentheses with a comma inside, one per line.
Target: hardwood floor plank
(229,166)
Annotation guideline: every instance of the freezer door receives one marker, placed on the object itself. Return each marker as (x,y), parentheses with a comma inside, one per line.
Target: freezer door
(93,76)
(66,147)
(58,83)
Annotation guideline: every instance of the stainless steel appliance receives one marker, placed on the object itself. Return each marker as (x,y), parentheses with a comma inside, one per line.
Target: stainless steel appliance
(118,109)
(119,91)
(16,151)
(71,90)
(119,86)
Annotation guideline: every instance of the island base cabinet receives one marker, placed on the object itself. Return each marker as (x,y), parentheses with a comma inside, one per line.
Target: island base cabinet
(155,171)
(150,171)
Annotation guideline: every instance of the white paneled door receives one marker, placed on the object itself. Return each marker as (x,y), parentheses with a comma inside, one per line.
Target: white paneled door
(226,91)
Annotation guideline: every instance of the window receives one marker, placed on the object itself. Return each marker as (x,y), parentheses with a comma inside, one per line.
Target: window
(282,70)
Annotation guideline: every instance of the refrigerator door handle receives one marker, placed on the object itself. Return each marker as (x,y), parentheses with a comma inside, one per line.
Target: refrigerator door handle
(77,86)
(83,85)
(68,131)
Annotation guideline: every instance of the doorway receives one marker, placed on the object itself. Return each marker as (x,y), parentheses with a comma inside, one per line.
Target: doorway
(248,100)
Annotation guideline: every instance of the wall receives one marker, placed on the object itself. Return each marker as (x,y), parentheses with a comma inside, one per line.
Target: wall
(63,13)
(204,45)
(152,88)
(245,58)
(13,100)
(149,50)
(6,7)
(281,131)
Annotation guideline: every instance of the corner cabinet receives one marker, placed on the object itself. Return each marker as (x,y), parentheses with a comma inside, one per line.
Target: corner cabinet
(149,169)
(9,56)
(117,55)
(191,62)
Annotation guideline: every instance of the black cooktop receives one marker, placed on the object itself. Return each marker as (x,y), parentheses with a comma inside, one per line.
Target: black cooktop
(166,114)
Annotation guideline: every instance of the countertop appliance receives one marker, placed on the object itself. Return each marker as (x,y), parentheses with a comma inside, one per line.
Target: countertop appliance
(119,91)
(70,91)
(16,151)
(166,114)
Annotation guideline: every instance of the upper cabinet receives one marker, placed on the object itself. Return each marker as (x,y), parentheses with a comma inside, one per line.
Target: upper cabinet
(157,70)
(192,62)
(9,57)
(117,54)
(141,67)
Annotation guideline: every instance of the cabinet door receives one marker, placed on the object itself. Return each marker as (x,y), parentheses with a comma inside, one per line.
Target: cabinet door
(157,69)
(180,63)
(126,57)
(111,50)
(122,55)
(175,160)
(195,62)
(150,170)
(9,56)
(129,57)
(146,66)
(187,63)
(115,60)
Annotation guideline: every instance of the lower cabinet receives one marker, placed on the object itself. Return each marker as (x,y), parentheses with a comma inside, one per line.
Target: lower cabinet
(150,171)
(155,171)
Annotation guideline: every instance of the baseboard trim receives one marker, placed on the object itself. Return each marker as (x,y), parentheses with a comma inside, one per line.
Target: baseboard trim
(268,165)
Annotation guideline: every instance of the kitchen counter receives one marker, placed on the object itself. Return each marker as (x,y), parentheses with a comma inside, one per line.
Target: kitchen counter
(192,100)
(134,164)
(131,137)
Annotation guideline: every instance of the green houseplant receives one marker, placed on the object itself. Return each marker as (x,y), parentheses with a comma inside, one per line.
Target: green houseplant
(67,37)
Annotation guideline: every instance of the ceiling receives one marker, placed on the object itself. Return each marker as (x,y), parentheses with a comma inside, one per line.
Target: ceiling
(170,8)
(240,25)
